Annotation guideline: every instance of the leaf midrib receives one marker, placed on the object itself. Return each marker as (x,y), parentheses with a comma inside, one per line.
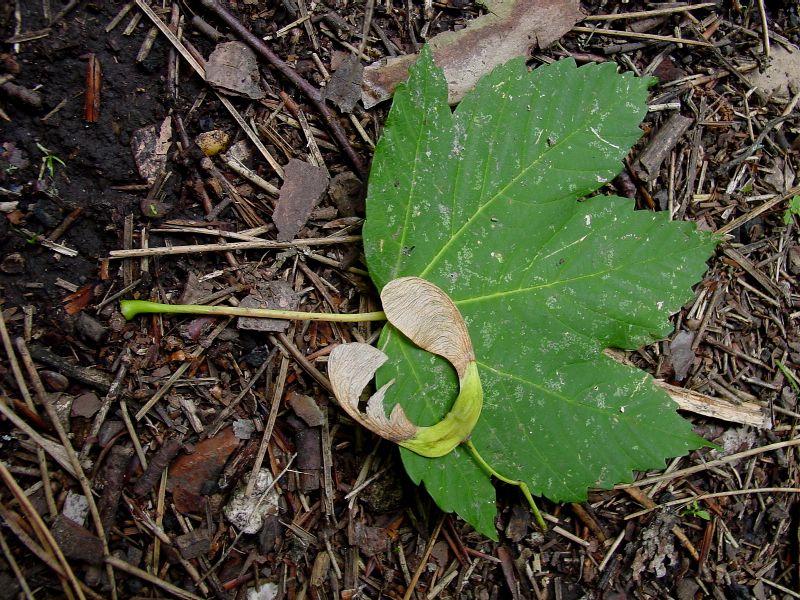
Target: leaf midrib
(480,210)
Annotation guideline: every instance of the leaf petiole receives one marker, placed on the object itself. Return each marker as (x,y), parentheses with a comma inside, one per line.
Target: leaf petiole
(131,308)
(515,482)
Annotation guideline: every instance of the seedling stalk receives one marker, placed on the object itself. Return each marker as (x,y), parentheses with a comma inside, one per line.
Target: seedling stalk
(131,308)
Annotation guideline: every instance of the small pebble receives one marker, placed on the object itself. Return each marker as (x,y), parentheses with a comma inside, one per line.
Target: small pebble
(53,382)
(90,328)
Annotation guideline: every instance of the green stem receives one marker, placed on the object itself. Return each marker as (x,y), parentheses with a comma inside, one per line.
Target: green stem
(489,470)
(790,376)
(131,308)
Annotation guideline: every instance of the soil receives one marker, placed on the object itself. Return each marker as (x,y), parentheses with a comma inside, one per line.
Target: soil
(741,329)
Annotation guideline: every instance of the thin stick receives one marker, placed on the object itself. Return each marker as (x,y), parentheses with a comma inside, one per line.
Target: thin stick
(741,220)
(762,13)
(289,347)
(40,528)
(52,448)
(23,583)
(86,487)
(264,245)
(182,368)
(137,445)
(424,560)
(111,397)
(232,545)
(273,415)
(216,425)
(14,523)
(709,465)
(163,389)
(234,164)
(641,36)
(766,490)
(23,389)
(643,14)
(164,585)
(208,231)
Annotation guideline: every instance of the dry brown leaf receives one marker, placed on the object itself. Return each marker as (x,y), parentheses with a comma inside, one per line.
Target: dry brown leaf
(233,69)
(508,30)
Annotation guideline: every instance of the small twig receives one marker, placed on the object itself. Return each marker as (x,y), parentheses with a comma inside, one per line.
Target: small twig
(611,551)
(301,359)
(23,388)
(234,235)
(277,396)
(64,12)
(14,523)
(748,152)
(200,70)
(762,14)
(150,578)
(182,368)
(113,394)
(242,170)
(747,265)
(137,445)
(689,500)
(232,545)
(52,448)
(741,220)
(163,390)
(265,245)
(219,421)
(65,224)
(709,465)
(423,563)
(126,8)
(644,14)
(641,36)
(315,155)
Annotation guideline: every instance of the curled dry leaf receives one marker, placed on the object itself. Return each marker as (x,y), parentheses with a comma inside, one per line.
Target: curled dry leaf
(350,368)
(508,29)
(427,316)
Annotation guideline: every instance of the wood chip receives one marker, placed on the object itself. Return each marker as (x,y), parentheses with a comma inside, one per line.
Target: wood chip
(302,189)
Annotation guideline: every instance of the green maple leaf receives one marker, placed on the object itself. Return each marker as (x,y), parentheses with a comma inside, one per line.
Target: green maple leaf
(488,203)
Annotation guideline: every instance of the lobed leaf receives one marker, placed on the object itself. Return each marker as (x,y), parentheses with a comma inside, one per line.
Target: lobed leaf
(487,202)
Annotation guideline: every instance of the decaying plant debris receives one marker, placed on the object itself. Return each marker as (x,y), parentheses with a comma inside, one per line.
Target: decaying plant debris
(123,443)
